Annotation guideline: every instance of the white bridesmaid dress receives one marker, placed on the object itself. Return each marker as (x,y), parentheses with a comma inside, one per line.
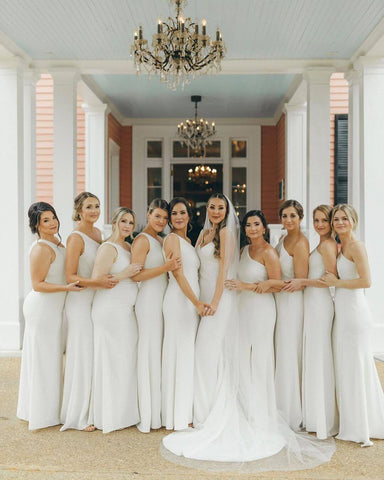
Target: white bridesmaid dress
(359,393)
(288,345)
(257,317)
(319,396)
(41,363)
(79,345)
(114,403)
(149,314)
(180,327)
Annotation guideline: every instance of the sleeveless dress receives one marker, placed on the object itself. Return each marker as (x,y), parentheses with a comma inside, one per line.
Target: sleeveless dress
(257,316)
(359,393)
(79,345)
(288,345)
(319,397)
(180,326)
(149,314)
(41,363)
(114,388)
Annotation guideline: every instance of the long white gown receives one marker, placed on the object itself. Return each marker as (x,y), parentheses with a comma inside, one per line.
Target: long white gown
(79,346)
(257,317)
(319,396)
(180,326)
(289,345)
(41,363)
(149,314)
(114,401)
(359,393)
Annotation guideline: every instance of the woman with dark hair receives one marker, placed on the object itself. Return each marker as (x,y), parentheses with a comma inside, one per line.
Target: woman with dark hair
(258,276)
(41,363)
(293,250)
(181,309)
(319,397)
(147,250)
(82,245)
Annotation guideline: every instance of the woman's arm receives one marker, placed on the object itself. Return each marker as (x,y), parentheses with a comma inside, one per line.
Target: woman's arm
(75,248)
(359,256)
(274,283)
(172,247)
(300,267)
(226,251)
(140,249)
(40,260)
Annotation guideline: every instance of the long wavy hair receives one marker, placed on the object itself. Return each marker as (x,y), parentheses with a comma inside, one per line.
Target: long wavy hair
(221,225)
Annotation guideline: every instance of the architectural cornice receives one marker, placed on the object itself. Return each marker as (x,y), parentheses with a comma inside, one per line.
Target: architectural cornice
(218,121)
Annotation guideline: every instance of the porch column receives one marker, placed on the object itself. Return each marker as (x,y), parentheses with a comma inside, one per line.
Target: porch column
(64,146)
(30,80)
(12,202)
(372,176)
(296,155)
(95,156)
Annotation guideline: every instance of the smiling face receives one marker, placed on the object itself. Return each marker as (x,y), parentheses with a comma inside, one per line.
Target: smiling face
(179,216)
(90,211)
(321,223)
(290,219)
(157,219)
(216,210)
(254,228)
(126,225)
(48,225)
(341,222)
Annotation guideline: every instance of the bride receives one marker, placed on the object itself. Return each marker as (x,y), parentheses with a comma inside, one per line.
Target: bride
(222,431)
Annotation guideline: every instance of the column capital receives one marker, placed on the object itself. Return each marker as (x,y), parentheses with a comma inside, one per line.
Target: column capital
(95,109)
(371,65)
(10,65)
(64,76)
(318,75)
(353,77)
(295,108)
(31,77)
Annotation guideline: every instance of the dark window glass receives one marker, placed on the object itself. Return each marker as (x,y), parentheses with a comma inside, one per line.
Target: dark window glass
(154,149)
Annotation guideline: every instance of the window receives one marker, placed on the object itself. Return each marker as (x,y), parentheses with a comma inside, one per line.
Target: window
(341,159)
(239,148)
(239,190)
(154,149)
(154,186)
(179,150)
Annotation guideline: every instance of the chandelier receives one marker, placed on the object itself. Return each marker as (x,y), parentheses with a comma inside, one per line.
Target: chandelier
(178,49)
(195,132)
(202,174)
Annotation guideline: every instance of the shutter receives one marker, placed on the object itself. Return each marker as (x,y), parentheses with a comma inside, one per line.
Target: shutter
(341,158)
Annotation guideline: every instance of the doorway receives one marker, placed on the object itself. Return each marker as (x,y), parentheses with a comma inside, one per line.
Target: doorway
(196,190)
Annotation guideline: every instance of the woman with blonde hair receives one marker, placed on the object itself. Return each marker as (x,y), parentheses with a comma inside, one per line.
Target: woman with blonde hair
(359,393)
(114,387)
(318,383)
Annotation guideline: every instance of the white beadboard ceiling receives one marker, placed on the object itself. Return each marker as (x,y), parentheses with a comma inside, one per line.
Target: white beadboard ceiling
(102,30)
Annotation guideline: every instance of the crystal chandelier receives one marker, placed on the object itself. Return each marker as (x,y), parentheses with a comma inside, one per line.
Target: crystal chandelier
(195,132)
(178,50)
(202,174)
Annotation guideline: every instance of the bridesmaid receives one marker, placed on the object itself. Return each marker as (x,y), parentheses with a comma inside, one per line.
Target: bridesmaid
(181,309)
(147,251)
(114,387)
(359,393)
(82,246)
(259,272)
(319,398)
(41,363)
(293,250)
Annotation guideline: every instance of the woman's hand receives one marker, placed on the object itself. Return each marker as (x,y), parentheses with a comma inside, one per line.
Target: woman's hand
(201,308)
(261,287)
(107,281)
(172,264)
(233,284)
(329,279)
(210,310)
(73,287)
(293,285)
(133,269)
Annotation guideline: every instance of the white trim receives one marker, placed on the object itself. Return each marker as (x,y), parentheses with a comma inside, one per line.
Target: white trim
(373,38)
(13,48)
(113,158)
(269,121)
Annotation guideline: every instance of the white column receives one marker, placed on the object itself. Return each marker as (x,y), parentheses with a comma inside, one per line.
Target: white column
(64,146)
(12,204)
(30,80)
(95,156)
(296,153)
(372,176)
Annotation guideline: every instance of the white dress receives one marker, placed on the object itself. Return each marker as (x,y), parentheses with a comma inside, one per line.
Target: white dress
(359,393)
(79,345)
(319,397)
(180,327)
(257,316)
(41,363)
(149,314)
(114,402)
(288,345)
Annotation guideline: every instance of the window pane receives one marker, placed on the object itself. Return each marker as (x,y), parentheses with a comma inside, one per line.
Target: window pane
(154,149)
(213,150)
(153,193)
(239,190)
(239,148)
(180,150)
(154,177)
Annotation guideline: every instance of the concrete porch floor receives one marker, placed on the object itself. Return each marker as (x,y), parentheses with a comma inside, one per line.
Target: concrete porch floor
(131,455)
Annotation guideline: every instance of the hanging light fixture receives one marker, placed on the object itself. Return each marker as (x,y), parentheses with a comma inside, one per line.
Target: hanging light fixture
(202,174)
(195,132)
(179,50)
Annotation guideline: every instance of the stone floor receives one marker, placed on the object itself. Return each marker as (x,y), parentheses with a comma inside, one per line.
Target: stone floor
(128,454)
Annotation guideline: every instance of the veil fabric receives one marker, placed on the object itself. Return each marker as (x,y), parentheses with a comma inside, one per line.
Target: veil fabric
(229,439)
